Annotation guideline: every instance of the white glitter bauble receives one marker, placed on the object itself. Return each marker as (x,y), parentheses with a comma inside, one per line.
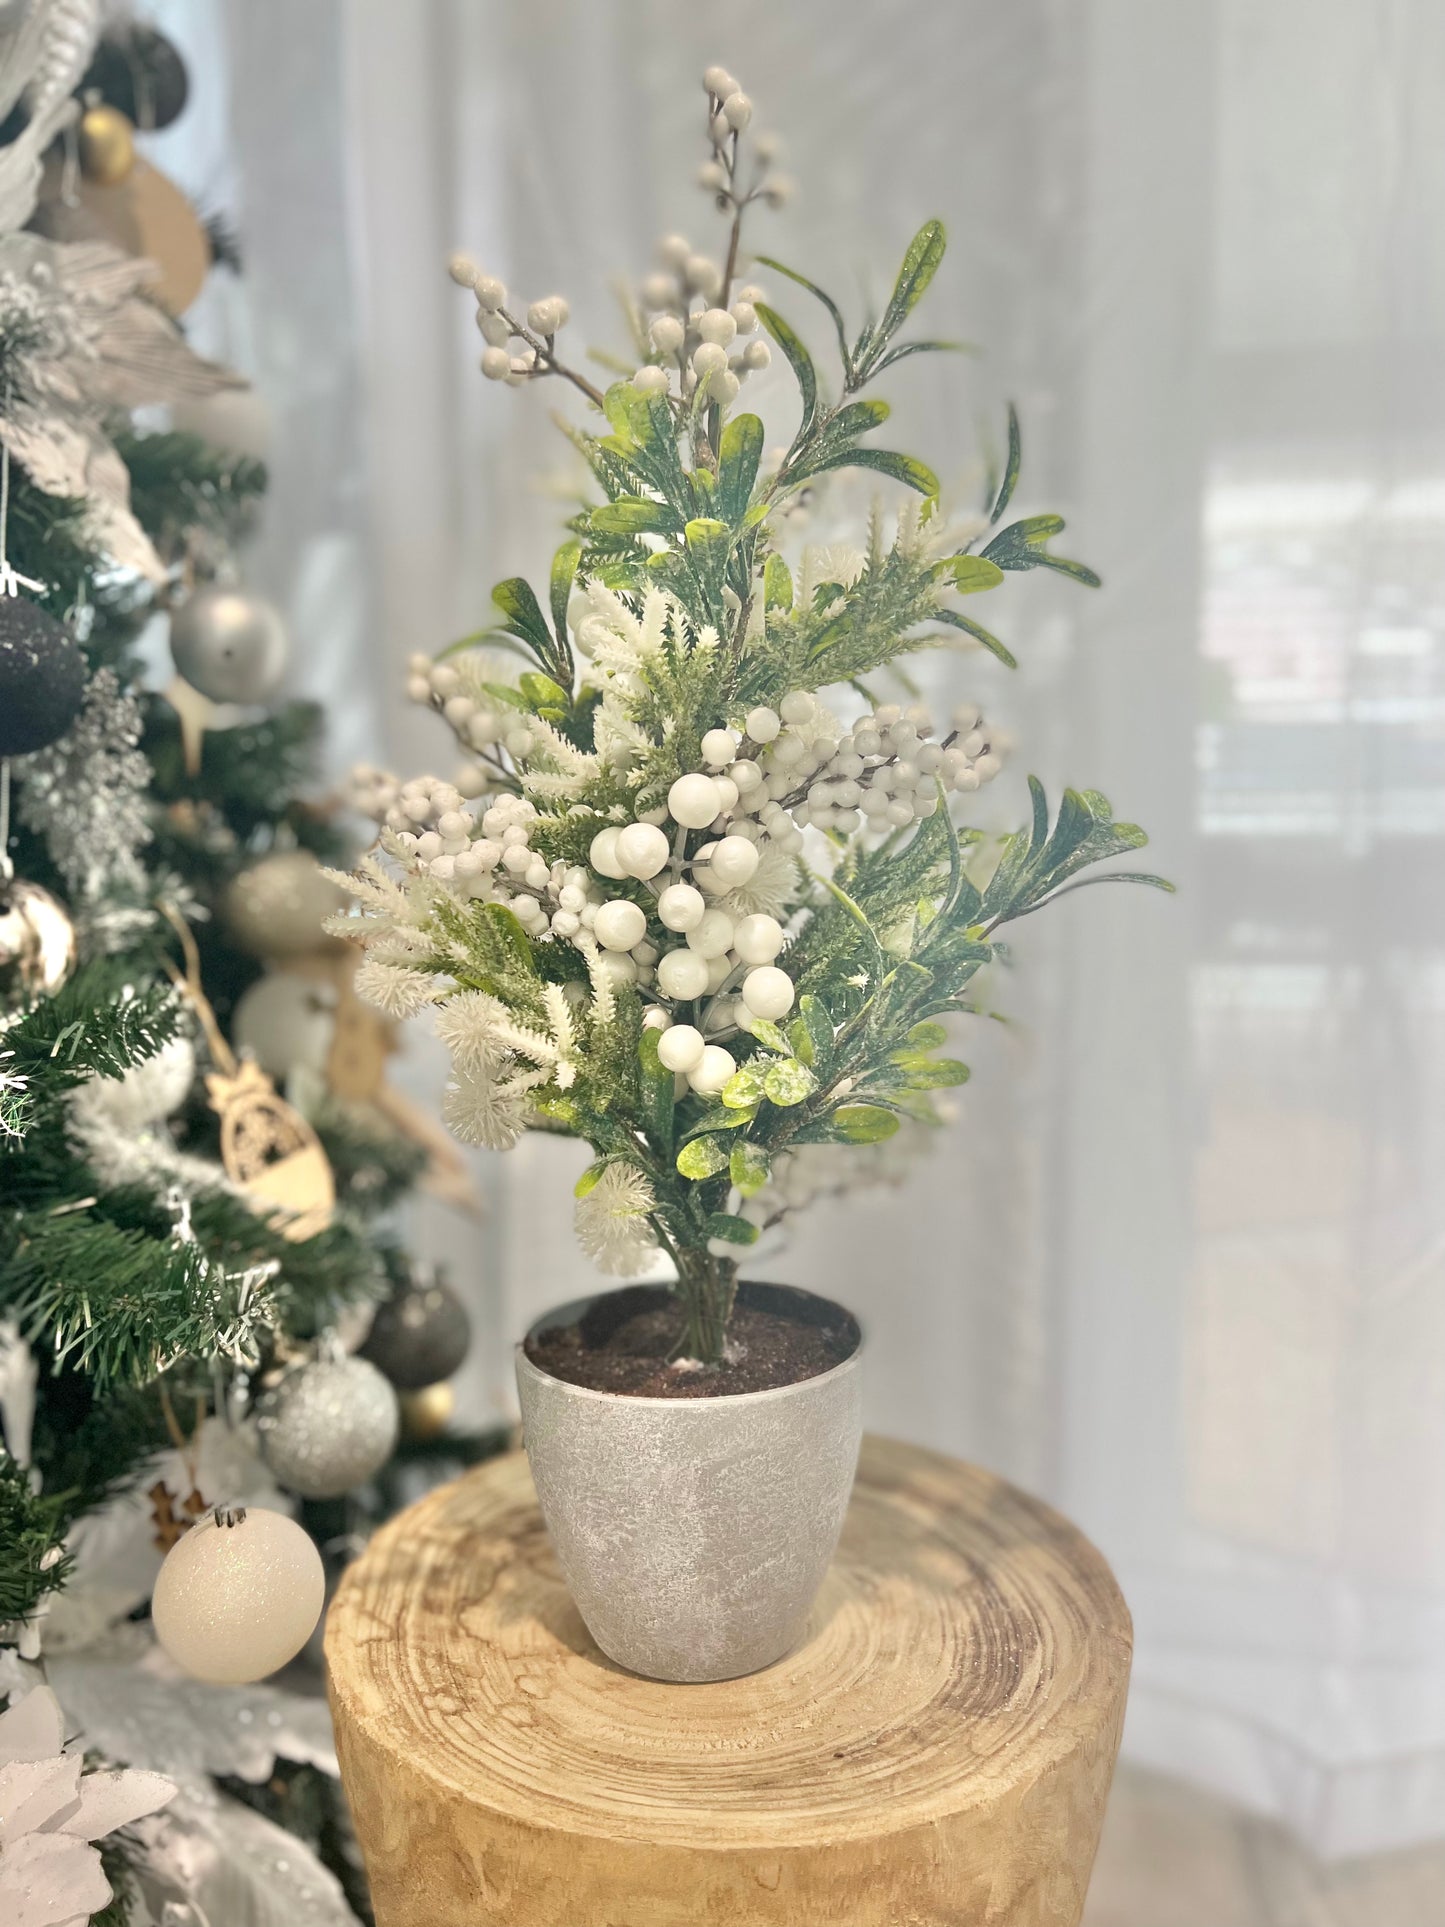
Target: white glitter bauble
(328,1426)
(235,1602)
(229,645)
(287,1021)
(146,1093)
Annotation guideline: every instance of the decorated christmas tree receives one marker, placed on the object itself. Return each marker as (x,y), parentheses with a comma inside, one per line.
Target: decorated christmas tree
(199,1145)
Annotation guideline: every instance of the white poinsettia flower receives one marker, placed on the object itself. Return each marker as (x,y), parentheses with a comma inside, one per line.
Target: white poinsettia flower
(612,1221)
(50,1812)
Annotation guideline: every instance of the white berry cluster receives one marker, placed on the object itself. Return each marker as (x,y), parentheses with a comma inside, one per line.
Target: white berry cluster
(477,726)
(516,350)
(699,326)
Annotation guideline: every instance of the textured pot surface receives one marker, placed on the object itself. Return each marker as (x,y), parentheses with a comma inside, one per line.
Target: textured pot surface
(693,1533)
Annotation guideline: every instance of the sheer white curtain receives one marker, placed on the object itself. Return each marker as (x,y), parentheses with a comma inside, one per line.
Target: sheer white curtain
(1180,1263)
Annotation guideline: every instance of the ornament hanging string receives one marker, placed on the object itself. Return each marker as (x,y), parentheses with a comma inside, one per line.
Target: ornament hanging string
(188,982)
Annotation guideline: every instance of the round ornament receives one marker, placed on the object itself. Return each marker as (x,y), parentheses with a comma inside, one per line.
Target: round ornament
(42,677)
(138,70)
(146,1094)
(426,1413)
(276,907)
(420,1335)
(287,1022)
(107,146)
(229,645)
(239,1594)
(328,1426)
(37,940)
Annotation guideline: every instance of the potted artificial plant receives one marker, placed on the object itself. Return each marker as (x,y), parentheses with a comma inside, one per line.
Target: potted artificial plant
(685,906)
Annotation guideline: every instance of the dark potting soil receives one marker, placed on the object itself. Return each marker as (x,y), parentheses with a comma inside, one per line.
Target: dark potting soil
(624,1343)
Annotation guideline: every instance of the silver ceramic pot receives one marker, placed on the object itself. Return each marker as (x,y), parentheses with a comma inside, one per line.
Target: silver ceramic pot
(694,1533)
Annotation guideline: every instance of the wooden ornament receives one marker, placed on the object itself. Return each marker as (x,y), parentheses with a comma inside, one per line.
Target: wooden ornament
(269,1150)
(171,1519)
(267,1147)
(937,1752)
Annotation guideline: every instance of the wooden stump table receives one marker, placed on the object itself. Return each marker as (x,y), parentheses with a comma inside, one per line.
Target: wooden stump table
(937,1753)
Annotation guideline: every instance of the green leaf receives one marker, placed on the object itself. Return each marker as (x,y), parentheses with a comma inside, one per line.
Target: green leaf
(738,458)
(507,928)
(749,1168)
(970,574)
(863,1123)
(764,1029)
(799,360)
(979,634)
(519,605)
(733,1231)
(589,1179)
(801,1039)
(744,1089)
(789,1082)
(931,1073)
(1022,545)
(767,261)
(564,574)
(541,692)
(657,1090)
(708,538)
(906,348)
(903,468)
(635,515)
(926,1037)
(702,1157)
(1040,804)
(1011,470)
(777,584)
(920,264)
(819,1027)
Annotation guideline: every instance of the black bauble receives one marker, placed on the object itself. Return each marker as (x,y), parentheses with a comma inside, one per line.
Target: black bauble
(420,1335)
(42,677)
(139,71)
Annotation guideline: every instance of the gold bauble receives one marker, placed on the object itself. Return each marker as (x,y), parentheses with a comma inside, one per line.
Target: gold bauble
(276,906)
(37,940)
(107,146)
(426,1414)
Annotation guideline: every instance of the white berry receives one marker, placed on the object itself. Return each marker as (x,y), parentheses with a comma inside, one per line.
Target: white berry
(602,854)
(719,746)
(712,1071)
(758,939)
(768,992)
(620,924)
(682,974)
(694,801)
(733,862)
(681,1048)
(642,849)
(712,936)
(763,725)
(681,907)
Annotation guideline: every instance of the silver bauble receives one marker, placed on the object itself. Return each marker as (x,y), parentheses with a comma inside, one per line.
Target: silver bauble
(287,1022)
(277,906)
(328,1426)
(37,940)
(229,645)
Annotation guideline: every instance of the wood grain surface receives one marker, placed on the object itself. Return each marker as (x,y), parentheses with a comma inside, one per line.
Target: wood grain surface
(937,1752)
